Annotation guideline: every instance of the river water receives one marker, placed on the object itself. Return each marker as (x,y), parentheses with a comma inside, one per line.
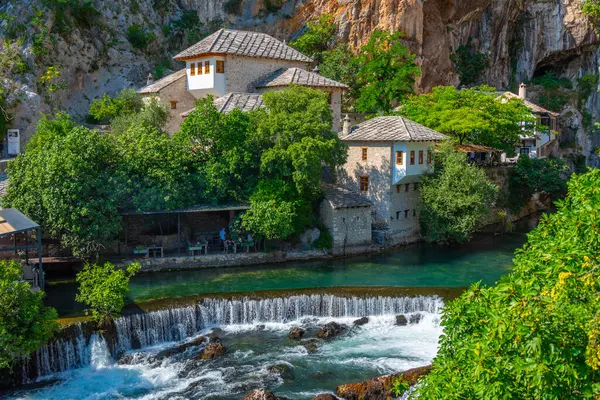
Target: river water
(254,331)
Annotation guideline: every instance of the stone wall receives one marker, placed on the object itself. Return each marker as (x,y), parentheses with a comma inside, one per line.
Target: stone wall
(377,168)
(404,214)
(177,91)
(349,227)
(244,72)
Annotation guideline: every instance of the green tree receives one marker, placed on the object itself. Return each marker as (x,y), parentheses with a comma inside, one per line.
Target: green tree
(341,65)
(474,115)
(536,333)
(25,324)
(225,149)
(387,72)
(103,287)
(64,181)
(317,38)
(126,102)
(454,198)
(153,172)
(538,175)
(153,115)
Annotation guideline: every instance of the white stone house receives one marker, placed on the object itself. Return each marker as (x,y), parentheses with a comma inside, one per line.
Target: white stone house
(387,156)
(230,65)
(539,142)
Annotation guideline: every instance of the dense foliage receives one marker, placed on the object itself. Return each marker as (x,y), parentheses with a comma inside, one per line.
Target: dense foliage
(538,175)
(25,324)
(474,115)
(469,63)
(387,73)
(317,38)
(536,333)
(454,198)
(103,287)
(64,181)
(106,108)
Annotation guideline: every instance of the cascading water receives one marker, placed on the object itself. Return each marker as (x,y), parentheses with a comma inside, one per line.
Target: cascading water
(255,334)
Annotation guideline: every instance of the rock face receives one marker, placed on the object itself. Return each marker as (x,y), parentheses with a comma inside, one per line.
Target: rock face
(522,38)
(296,333)
(260,394)
(379,388)
(330,330)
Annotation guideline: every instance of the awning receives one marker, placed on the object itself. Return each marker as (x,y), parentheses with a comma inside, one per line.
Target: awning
(13,221)
(194,209)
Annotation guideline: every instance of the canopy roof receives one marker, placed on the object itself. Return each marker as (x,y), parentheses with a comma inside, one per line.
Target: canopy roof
(14,221)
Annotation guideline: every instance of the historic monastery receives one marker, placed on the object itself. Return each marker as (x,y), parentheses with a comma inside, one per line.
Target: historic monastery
(236,67)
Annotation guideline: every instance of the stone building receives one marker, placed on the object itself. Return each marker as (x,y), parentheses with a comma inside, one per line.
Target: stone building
(347,216)
(231,62)
(387,157)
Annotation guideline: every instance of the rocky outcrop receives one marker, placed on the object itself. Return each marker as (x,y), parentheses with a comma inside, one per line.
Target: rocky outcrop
(260,394)
(379,388)
(330,330)
(296,333)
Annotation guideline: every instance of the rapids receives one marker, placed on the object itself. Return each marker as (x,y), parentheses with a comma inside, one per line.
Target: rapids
(259,354)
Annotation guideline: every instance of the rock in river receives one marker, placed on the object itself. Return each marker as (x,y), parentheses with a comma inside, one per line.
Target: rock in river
(296,333)
(311,345)
(415,318)
(260,394)
(359,322)
(212,350)
(330,330)
(283,370)
(325,396)
(401,320)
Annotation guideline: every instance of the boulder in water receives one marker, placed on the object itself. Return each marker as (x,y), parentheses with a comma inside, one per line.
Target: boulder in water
(260,394)
(415,318)
(359,322)
(330,330)
(311,345)
(296,333)
(401,320)
(212,350)
(180,349)
(283,370)
(379,388)
(325,396)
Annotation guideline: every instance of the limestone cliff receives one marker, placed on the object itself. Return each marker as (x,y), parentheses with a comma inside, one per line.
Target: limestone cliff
(522,39)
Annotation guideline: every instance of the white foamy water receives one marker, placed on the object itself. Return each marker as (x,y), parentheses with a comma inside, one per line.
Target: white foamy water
(254,333)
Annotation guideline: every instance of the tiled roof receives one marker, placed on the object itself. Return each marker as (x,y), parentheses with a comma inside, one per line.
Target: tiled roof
(243,43)
(340,197)
(298,76)
(162,83)
(392,128)
(532,106)
(241,101)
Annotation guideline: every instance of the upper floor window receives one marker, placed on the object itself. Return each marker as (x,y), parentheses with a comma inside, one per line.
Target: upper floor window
(399,158)
(220,67)
(428,156)
(193,69)
(420,156)
(364,183)
(406,187)
(173,104)
(364,152)
(412,157)
(207,67)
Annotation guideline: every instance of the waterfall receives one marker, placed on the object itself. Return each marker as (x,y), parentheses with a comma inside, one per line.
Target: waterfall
(177,324)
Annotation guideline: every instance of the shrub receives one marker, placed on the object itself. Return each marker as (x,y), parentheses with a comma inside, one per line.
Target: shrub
(25,324)
(103,287)
(552,82)
(325,240)
(535,334)
(106,108)
(139,37)
(469,64)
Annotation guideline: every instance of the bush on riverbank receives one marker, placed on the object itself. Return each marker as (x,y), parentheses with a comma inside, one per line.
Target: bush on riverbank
(536,334)
(103,289)
(455,198)
(25,324)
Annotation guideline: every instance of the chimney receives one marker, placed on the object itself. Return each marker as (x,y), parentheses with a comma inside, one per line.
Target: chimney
(523,91)
(316,69)
(346,126)
(150,80)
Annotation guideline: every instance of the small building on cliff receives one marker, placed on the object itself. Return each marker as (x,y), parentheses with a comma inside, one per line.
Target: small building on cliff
(237,65)
(387,156)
